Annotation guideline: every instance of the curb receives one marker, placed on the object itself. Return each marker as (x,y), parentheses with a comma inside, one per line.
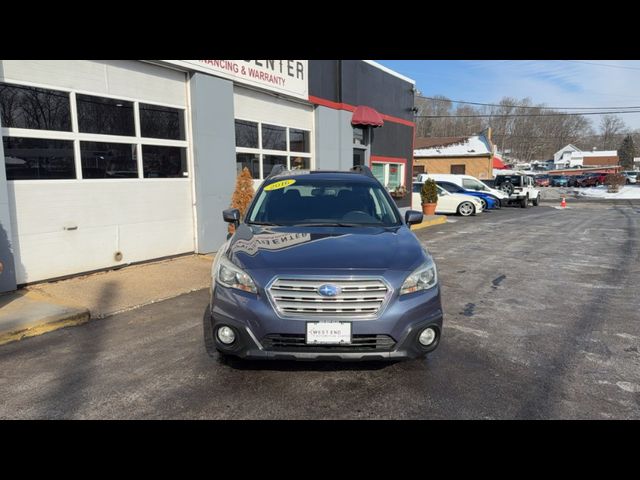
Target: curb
(437,220)
(45,325)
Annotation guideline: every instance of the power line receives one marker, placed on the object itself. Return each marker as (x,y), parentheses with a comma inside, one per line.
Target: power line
(527,114)
(521,106)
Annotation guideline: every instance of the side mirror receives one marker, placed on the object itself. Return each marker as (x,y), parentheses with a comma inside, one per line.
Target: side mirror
(412,217)
(231,215)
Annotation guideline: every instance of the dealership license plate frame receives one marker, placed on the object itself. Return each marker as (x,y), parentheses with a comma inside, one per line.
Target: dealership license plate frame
(344,341)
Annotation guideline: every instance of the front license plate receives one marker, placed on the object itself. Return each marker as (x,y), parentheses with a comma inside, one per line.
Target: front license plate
(333,333)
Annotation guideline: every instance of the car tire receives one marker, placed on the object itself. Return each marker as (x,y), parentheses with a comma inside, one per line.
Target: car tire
(536,202)
(507,187)
(484,204)
(524,203)
(466,209)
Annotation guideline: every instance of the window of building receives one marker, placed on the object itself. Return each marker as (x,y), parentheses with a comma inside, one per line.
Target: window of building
(261,146)
(164,162)
(105,116)
(247,134)
(274,138)
(42,133)
(299,141)
(34,108)
(249,160)
(457,169)
(361,140)
(38,158)
(270,161)
(108,160)
(391,175)
(161,122)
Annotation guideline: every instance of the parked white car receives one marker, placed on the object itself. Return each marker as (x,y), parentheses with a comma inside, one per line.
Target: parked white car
(465,181)
(631,176)
(464,205)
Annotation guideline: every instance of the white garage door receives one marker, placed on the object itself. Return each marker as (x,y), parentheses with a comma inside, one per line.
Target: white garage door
(96,156)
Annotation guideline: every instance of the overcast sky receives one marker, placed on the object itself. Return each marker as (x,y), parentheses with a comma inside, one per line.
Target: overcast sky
(557,83)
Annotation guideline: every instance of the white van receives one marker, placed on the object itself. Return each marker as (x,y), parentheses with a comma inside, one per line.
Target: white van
(465,181)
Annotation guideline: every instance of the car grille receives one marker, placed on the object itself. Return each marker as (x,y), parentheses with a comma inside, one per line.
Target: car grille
(301,297)
(359,343)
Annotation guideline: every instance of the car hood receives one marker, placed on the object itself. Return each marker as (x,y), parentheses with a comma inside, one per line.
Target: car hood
(325,248)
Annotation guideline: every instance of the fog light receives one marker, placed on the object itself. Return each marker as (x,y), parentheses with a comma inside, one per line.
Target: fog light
(427,336)
(226,335)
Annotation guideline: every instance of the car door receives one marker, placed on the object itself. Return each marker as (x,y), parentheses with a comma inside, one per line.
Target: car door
(447,203)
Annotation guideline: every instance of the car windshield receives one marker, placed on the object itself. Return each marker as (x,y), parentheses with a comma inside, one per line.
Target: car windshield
(317,202)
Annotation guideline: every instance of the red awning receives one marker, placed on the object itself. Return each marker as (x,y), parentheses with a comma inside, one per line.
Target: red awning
(497,163)
(366,116)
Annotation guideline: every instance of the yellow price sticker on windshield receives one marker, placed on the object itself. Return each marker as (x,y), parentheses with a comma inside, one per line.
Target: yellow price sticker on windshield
(279,185)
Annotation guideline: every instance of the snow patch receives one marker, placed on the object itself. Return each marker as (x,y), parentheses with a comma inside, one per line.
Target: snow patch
(629,387)
(626,192)
(472,331)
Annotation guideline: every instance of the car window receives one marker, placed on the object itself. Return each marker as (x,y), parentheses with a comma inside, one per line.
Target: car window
(321,201)
(450,187)
(471,184)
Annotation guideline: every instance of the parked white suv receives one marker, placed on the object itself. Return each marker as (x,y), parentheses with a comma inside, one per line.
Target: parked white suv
(465,181)
(520,187)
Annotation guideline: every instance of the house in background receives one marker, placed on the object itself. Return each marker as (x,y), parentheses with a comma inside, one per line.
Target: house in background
(470,155)
(572,157)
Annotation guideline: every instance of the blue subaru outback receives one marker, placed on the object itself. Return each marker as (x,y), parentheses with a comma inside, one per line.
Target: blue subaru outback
(323,267)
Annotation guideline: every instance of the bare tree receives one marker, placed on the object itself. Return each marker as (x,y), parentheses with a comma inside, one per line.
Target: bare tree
(611,128)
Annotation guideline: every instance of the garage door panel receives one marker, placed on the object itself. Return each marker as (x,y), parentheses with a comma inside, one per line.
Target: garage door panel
(153,239)
(49,207)
(49,255)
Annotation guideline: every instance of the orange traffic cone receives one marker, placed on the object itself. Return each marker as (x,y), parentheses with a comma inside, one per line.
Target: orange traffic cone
(563,203)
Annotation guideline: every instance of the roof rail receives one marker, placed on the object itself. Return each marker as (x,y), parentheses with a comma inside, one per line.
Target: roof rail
(277,170)
(364,170)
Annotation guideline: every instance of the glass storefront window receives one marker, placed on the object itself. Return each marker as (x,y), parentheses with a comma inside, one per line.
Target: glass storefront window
(378,172)
(389,174)
(394,176)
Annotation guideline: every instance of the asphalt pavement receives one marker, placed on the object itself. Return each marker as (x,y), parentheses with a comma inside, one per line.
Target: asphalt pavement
(542,320)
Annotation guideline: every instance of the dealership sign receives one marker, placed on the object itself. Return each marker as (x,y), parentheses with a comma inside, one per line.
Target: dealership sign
(283,76)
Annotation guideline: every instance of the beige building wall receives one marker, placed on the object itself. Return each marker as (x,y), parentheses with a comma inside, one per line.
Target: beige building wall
(479,167)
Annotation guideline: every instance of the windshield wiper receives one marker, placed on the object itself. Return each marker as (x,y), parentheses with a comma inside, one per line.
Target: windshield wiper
(267,224)
(334,224)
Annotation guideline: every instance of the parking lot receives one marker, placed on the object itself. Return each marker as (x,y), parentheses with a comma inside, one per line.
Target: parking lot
(541,322)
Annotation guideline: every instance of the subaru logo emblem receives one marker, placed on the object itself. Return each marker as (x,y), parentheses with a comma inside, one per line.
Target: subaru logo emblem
(328,290)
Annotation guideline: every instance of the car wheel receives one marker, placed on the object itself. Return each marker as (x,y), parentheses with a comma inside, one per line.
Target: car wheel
(466,208)
(536,201)
(524,203)
(484,204)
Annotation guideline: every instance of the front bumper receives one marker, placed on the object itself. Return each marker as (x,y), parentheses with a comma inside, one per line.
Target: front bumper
(254,322)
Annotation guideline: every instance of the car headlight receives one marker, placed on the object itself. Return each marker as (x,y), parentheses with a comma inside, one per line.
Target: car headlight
(422,278)
(229,275)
